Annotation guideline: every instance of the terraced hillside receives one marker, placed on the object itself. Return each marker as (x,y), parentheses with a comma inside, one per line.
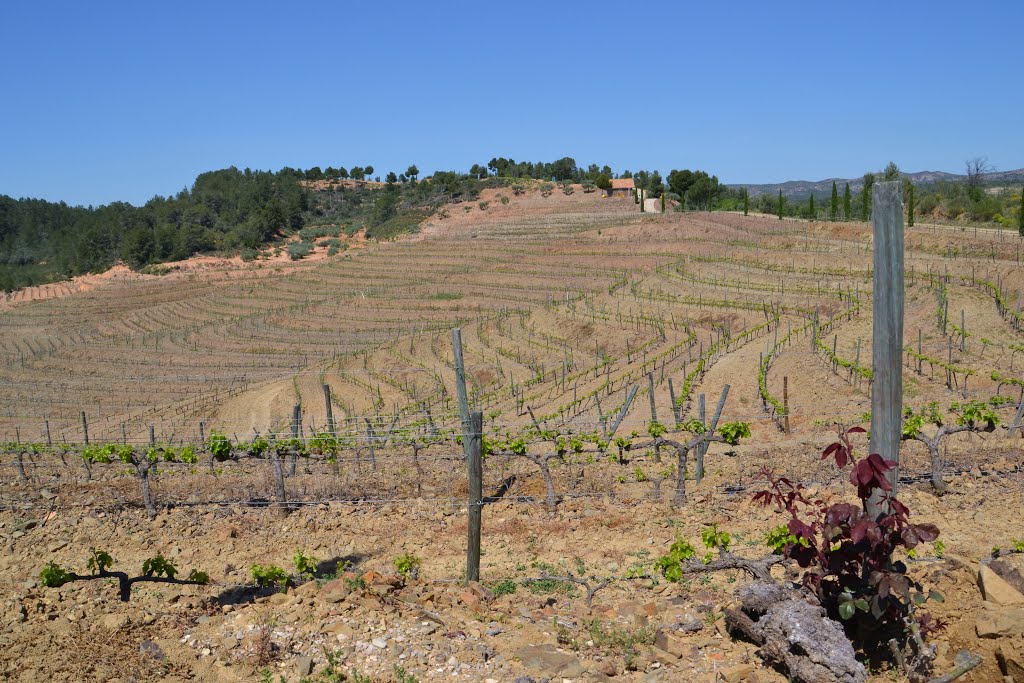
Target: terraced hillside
(567,302)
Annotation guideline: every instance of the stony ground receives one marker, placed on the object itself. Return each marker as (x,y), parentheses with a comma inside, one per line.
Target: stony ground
(360,615)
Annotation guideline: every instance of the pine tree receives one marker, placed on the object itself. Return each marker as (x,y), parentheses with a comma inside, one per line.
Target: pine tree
(812,212)
(833,207)
(780,205)
(746,204)
(846,202)
(910,207)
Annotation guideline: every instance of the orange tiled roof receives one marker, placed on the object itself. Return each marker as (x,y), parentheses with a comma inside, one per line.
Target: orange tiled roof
(622,184)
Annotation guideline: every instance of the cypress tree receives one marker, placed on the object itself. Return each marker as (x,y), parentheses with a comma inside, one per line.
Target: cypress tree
(865,197)
(812,213)
(663,202)
(1020,214)
(833,208)
(910,207)
(746,204)
(780,205)
(846,202)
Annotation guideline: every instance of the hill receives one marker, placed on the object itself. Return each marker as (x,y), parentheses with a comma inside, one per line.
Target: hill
(799,190)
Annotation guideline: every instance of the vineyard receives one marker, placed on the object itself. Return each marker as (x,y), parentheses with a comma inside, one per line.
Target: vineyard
(637,376)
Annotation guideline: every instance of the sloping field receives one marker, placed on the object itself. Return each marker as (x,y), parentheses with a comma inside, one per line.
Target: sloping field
(566,302)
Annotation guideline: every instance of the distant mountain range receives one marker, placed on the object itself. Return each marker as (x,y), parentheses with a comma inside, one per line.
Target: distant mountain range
(801,189)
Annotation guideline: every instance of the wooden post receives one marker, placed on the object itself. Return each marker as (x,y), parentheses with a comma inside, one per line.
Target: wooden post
(887,335)
(963,331)
(49,441)
(702,450)
(330,410)
(370,439)
(785,403)
(622,413)
(281,510)
(921,361)
(85,429)
(460,389)
(202,435)
(654,412)
(474,468)
(296,417)
(1016,418)
(701,410)
(672,398)
(152,436)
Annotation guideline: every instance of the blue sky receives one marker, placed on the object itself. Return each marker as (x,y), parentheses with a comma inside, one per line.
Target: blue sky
(120,101)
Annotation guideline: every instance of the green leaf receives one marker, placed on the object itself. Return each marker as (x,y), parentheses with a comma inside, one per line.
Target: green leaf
(846,609)
(936,596)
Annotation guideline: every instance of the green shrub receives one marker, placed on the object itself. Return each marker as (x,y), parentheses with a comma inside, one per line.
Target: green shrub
(269,575)
(298,250)
(407,564)
(249,254)
(53,575)
(305,565)
(317,231)
(506,587)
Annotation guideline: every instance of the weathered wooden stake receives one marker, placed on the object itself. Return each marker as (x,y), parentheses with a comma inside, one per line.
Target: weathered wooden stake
(963,331)
(460,389)
(474,468)
(654,412)
(1016,418)
(702,450)
(701,416)
(330,411)
(625,409)
(785,403)
(672,398)
(85,429)
(887,335)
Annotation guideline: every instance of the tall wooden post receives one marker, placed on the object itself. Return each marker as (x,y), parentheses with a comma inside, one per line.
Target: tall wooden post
(330,410)
(887,335)
(654,412)
(296,417)
(672,398)
(702,416)
(963,331)
(474,468)
(785,403)
(460,389)
(85,428)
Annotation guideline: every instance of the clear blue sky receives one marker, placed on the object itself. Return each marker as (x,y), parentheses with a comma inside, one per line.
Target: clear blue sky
(105,101)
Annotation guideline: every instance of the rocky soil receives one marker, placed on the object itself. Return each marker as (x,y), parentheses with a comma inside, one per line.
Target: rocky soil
(360,615)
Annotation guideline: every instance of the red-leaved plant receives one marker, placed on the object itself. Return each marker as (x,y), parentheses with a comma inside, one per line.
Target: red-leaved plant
(848,556)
